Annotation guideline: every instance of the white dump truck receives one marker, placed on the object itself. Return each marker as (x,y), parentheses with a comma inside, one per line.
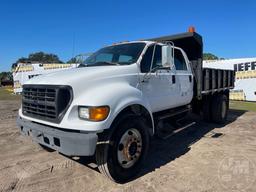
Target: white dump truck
(119,98)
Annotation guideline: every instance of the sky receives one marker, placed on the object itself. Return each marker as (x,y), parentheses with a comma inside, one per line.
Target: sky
(68,28)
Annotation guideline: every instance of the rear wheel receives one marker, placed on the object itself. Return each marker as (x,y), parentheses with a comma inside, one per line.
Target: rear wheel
(121,158)
(220,108)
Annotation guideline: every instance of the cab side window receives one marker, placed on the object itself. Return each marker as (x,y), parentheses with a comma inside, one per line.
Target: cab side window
(146,60)
(157,61)
(179,60)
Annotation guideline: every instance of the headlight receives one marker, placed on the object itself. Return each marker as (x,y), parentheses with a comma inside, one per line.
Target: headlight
(93,113)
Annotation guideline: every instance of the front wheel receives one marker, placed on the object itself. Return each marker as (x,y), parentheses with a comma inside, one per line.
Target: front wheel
(121,157)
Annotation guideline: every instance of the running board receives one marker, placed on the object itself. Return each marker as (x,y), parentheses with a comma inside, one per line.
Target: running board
(169,130)
(179,130)
(174,112)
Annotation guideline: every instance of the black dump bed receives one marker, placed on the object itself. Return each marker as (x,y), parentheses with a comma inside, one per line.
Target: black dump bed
(217,80)
(207,80)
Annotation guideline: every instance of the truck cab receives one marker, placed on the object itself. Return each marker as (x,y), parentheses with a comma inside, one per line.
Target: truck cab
(165,87)
(112,105)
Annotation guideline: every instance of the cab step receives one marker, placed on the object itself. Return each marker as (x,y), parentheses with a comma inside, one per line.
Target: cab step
(170,113)
(166,130)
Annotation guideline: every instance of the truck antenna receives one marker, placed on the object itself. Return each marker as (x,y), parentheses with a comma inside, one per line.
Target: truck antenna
(73,45)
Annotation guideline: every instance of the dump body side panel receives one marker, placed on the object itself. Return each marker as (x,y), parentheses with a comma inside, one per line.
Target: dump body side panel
(215,80)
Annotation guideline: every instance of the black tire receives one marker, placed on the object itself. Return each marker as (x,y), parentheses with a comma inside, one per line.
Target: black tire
(220,107)
(46,148)
(108,145)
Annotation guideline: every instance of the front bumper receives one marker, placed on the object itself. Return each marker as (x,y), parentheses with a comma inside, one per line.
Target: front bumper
(65,141)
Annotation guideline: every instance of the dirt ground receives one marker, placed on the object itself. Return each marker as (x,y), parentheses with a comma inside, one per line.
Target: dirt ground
(205,157)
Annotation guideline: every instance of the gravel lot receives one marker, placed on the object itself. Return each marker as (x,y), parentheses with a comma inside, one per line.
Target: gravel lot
(205,157)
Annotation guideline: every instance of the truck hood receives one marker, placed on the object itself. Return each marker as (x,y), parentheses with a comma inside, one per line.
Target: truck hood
(84,74)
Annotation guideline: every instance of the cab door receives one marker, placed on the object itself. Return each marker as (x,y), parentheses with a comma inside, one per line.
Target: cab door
(184,76)
(158,87)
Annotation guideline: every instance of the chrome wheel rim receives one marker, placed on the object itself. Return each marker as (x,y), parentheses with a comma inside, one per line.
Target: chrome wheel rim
(129,148)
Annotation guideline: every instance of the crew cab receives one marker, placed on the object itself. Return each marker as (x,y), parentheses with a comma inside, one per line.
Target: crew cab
(119,98)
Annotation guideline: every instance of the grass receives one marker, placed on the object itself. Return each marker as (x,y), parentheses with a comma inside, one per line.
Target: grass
(243,105)
(6,93)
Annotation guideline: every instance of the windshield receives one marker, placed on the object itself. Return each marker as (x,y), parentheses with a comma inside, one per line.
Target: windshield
(122,54)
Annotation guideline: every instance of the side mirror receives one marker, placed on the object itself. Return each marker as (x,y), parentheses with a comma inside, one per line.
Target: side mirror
(168,56)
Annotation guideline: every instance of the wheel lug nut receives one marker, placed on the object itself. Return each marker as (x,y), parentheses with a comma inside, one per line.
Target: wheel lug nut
(130,133)
(120,147)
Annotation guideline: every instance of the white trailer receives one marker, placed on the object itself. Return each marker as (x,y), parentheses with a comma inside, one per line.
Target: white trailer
(245,73)
(23,72)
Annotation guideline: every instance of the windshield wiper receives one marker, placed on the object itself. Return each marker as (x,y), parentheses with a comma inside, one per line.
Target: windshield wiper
(82,65)
(100,63)
(105,63)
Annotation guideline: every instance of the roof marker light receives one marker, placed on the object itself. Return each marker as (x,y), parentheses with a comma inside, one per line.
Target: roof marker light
(191,29)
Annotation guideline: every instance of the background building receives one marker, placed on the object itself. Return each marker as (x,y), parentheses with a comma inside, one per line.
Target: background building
(245,82)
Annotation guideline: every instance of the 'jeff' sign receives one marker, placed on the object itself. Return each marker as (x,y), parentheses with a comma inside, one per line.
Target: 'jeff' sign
(245,66)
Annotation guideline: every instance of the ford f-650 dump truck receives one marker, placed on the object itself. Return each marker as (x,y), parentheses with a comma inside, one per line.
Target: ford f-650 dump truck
(112,105)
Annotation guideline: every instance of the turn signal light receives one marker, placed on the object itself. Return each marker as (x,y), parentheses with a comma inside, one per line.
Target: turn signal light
(98,113)
(93,113)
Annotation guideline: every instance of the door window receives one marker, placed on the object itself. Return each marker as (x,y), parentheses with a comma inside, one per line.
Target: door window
(157,61)
(146,60)
(179,60)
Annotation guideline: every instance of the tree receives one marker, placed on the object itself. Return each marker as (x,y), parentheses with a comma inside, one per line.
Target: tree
(6,76)
(22,60)
(209,56)
(40,57)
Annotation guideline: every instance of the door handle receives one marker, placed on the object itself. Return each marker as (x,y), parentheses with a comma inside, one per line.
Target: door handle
(190,78)
(145,81)
(173,79)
